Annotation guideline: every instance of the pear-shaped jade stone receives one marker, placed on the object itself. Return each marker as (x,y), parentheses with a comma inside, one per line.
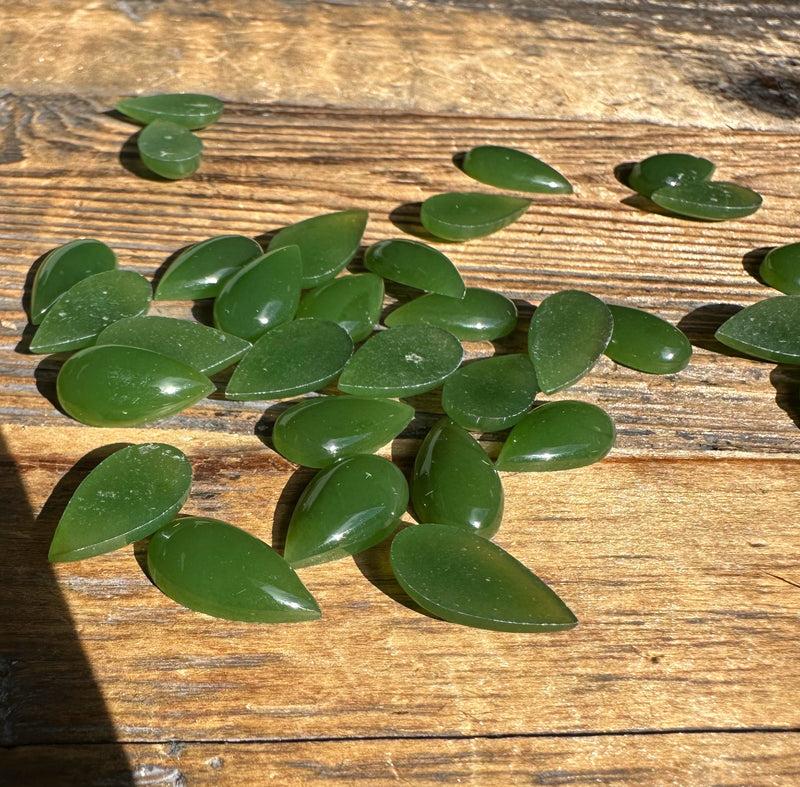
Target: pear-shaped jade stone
(127,386)
(465,215)
(415,264)
(169,150)
(568,333)
(558,436)
(346,508)
(481,315)
(128,496)
(65,266)
(205,349)
(463,578)
(82,312)
(327,243)
(780,268)
(709,200)
(402,361)
(202,269)
(317,432)
(769,329)
(294,358)
(216,568)
(508,168)
(668,169)
(190,110)
(455,483)
(645,342)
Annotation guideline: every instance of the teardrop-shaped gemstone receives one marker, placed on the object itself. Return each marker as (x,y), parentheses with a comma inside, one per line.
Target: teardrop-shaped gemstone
(262,294)
(558,436)
(294,358)
(645,342)
(464,578)
(490,394)
(205,349)
(354,302)
(455,483)
(465,215)
(481,315)
(317,432)
(190,110)
(169,150)
(327,243)
(668,169)
(769,329)
(346,508)
(128,496)
(508,168)
(711,200)
(213,567)
(568,333)
(82,312)
(127,386)
(402,361)
(780,268)
(201,270)
(65,266)
(415,264)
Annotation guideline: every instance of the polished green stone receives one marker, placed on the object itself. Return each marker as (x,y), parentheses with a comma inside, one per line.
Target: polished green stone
(710,200)
(645,342)
(491,393)
(190,110)
(327,243)
(319,431)
(415,264)
(402,361)
(769,329)
(201,270)
(346,508)
(86,308)
(261,295)
(558,436)
(780,268)
(568,333)
(668,169)
(455,483)
(463,578)
(213,567)
(205,349)
(294,358)
(128,496)
(465,215)
(127,386)
(508,168)
(354,302)
(169,150)
(64,267)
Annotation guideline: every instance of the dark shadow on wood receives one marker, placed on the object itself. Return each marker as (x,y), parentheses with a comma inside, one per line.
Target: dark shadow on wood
(622,172)
(751,262)
(46,375)
(407,219)
(286,504)
(785,380)
(701,324)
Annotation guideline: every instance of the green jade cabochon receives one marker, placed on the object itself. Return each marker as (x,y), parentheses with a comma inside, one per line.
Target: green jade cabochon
(668,169)
(709,200)
(190,110)
(460,216)
(169,150)
(780,268)
(508,168)
(769,329)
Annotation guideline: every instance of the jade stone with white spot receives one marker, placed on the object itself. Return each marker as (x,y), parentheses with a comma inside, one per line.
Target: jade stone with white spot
(190,110)
(169,150)
(709,200)
(780,268)
(460,216)
(769,329)
(508,168)
(668,169)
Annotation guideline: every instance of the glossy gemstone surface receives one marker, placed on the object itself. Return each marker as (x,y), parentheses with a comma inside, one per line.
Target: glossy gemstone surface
(481,315)
(645,342)
(508,168)
(568,333)
(402,361)
(327,243)
(668,169)
(82,312)
(465,215)
(169,150)
(780,268)
(202,269)
(190,110)
(317,432)
(127,386)
(294,358)
(346,508)
(128,496)
(490,394)
(710,200)
(455,483)
(213,567)
(558,436)
(769,329)
(464,578)
(65,266)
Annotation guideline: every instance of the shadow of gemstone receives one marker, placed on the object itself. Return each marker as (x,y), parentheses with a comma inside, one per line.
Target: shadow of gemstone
(458,159)
(264,426)
(45,376)
(264,238)
(622,172)
(130,160)
(286,504)
(140,555)
(751,262)
(162,269)
(785,380)
(701,324)
(356,265)
(407,219)
(203,311)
